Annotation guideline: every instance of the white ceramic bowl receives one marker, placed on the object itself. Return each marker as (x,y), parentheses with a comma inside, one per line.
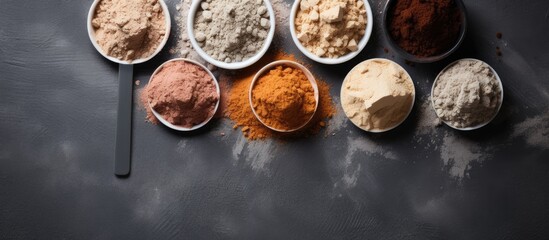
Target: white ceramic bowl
(361,44)
(294,65)
(481,124)
(409,110)
(180,128)
(91,34)
(234,65)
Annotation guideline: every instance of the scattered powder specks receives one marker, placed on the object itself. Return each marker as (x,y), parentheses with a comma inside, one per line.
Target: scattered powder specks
(152,200)
(257,154)
(350,178)
(534,130)
(339,120)
(426,129)
(183,46)
(67,153)
(182,146)
(357,150)
(458,153)
(282,13)
(428,119)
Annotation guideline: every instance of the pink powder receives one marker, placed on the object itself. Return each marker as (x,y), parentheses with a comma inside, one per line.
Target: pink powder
(183,93)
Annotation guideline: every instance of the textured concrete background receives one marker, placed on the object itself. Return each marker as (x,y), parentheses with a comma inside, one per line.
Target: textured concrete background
(58,101)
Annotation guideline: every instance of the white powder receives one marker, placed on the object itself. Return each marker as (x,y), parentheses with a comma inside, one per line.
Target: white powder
(426,132)
(467,94)
(458,154)
(257,154)
(231,30)
(534,130)
(428,119)
(339,120)
(352,165)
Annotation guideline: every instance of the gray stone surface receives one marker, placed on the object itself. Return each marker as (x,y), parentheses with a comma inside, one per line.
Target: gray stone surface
(58,100)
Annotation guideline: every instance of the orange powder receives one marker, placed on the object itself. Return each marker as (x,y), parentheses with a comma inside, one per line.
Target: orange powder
(239,111)
(284,98)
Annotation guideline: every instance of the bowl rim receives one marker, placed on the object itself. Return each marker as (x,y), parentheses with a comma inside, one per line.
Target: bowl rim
(412,58)
(234,65)
(91,35)
(294,64)
(177,127)
(332,61)
(500,84)
(409,110)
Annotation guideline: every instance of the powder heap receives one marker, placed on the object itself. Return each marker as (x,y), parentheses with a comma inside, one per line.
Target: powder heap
(330,28)
(239,111)
(129,29)
(184,49)
(183,93)
(284,98)
(377,95)
(231,31)
(467,94)
(425,28)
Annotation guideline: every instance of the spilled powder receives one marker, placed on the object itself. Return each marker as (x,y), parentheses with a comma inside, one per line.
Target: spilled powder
(129,30)
(183,47)
(257,154)
(354,165)
(239,110)
(534,130)
(428,119)
(282,16)
(459,153)
(426,133)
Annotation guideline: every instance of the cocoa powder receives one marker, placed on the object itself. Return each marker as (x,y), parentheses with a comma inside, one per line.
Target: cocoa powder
(425,28)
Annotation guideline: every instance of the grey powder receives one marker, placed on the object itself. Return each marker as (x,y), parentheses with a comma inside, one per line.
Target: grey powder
(232,30)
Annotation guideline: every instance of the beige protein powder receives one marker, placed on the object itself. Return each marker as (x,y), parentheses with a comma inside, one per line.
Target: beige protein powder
(129,29)
(467,94)
(330,28)
(377,95)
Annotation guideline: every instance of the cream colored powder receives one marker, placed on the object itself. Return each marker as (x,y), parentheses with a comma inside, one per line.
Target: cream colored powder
(129,29)
(331,28)
(377,94)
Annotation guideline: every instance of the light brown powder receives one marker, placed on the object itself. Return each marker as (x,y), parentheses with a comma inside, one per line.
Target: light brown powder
(331,28)
(129,29)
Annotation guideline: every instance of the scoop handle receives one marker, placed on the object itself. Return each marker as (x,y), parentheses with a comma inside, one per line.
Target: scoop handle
(124,122)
